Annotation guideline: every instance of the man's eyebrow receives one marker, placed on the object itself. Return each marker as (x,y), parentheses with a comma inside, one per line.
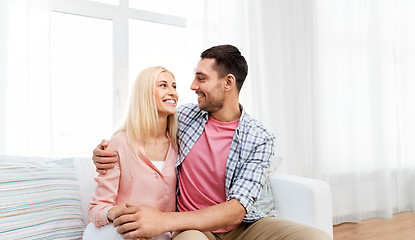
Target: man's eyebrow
(199,73)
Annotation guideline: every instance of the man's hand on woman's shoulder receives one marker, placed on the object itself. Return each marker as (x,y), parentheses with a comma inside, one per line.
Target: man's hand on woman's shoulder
(103,158)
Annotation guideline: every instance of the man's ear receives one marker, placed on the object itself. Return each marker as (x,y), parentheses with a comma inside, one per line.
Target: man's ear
(230,82)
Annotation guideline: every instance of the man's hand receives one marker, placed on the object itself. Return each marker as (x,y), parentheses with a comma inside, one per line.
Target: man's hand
(117,211)
(104,159)
(140,221)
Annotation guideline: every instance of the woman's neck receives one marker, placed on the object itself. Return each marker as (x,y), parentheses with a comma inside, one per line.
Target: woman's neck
(161,130)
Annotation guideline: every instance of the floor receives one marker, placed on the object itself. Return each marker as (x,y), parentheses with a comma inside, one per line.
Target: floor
(399,227)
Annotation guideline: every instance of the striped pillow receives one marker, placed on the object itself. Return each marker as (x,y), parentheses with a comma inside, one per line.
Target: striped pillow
(39,199)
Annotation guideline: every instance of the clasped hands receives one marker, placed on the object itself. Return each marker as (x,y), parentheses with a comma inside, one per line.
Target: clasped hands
(137,221)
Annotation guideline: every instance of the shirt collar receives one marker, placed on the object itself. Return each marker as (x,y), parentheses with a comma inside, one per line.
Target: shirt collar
(205,116)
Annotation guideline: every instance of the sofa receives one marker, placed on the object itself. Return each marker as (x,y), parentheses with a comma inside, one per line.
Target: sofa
(46,198)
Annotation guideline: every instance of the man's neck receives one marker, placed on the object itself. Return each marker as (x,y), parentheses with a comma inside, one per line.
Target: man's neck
(228,113)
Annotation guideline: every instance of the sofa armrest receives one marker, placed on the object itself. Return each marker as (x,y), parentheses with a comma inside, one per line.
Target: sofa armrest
(303,200)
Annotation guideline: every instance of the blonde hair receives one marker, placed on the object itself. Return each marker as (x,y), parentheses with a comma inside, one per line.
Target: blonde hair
(141,118)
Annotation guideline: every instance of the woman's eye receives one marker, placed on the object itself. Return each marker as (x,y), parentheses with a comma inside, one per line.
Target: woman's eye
(162,85)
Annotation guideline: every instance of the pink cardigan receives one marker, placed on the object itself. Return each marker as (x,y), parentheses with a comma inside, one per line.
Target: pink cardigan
(133,180)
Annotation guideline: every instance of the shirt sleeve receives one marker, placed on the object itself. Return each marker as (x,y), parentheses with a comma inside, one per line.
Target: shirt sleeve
(251,176)
(105,195)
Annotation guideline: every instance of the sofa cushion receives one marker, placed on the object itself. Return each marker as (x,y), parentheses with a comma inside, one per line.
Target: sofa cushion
(39,199)
(85,170)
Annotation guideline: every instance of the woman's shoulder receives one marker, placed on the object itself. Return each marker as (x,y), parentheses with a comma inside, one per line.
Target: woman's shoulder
(118,139)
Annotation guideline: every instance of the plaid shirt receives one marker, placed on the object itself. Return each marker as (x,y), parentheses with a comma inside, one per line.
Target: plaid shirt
(248,164)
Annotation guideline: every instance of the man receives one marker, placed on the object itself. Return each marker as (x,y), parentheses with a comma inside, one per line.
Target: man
(223,166)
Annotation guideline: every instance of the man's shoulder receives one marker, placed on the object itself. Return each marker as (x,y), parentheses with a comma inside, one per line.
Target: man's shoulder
(252,126)
(187,107)
(188,110)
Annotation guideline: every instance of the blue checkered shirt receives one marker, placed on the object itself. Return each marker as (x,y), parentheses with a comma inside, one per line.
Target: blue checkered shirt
(249,160)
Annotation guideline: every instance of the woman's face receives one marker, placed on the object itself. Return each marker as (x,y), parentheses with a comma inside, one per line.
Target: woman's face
(165,94)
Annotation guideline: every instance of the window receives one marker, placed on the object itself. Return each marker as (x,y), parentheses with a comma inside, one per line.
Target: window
(81,82)
(176,7)
(70,64)
(166,46)
(113,2)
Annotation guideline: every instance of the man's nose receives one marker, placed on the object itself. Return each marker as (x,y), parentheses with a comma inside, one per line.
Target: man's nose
(194,85)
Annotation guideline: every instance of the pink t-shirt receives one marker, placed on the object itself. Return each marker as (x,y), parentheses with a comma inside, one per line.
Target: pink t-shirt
(202,173)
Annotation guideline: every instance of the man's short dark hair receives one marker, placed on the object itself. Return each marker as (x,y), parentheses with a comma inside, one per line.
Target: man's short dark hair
(228,60)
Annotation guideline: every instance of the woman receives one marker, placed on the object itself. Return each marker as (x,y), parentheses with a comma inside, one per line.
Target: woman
(146,145)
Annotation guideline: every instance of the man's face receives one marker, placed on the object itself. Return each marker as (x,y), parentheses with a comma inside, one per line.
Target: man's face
(208,86)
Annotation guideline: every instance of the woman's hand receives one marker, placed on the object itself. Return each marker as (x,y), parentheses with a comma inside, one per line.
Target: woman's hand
(114,211)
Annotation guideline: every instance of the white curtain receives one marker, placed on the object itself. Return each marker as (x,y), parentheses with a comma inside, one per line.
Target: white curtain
(55,80)
(335,81)
(43,110)
(364,58)
(24,78)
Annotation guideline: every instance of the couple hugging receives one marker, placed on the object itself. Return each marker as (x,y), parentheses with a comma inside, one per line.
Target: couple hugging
(196,172)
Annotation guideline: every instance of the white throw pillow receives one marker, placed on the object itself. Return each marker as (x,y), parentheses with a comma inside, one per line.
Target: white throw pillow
(39,199)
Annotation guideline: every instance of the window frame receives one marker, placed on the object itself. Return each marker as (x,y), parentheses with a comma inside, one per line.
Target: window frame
(119,15)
